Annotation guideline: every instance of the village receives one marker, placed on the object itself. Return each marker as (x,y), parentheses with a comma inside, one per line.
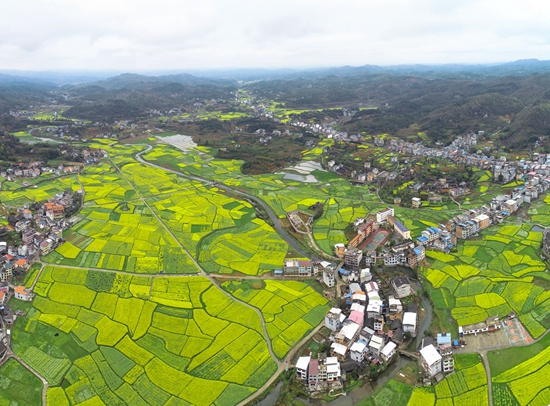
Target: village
(38,230)
(378,318)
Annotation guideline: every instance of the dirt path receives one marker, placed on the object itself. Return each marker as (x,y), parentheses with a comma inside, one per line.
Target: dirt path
(202,272)
(282,365)
(488,372)
(45,384)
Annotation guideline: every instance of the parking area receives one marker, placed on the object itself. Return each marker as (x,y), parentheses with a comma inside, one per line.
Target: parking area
(511,333)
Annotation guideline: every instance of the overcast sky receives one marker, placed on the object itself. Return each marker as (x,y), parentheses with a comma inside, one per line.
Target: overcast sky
(137,35)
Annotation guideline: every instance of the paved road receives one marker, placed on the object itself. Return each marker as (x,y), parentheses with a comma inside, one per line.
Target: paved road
(283,365)
(201,270)
(274,218)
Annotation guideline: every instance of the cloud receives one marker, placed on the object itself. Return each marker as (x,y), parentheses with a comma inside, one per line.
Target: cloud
(137,35)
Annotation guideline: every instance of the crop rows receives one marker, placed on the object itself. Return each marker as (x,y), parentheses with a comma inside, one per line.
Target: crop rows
(492,276)
(290,309)
(96,341)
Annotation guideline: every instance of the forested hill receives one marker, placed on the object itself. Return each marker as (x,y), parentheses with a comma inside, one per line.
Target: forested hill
(442,107)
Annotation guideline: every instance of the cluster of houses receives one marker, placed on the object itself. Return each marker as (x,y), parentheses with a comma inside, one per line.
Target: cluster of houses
(442,237)
(436,355)
(367,329)
(41,231)
(35,169)
(357,253)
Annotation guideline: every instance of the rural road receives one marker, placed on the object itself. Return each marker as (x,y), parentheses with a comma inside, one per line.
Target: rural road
(274,218)
(201,270)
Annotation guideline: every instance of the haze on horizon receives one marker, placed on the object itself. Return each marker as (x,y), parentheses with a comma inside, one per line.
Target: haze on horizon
(137,35)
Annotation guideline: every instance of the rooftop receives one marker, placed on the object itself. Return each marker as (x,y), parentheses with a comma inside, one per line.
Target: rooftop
(430,354)
(409,319)
(303,363)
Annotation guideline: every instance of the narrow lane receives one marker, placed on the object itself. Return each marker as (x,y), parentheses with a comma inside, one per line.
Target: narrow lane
(273,217)
(201,270)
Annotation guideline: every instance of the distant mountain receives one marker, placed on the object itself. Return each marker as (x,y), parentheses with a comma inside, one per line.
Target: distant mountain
(517,68)
(133,81)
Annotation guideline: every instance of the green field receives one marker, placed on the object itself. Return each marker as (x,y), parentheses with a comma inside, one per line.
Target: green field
(525,383)
(13,195)
(290,309)
(466,386)
(494,275)
(18,386)
(120,238)
(343,201)
(112,338)
(119,232)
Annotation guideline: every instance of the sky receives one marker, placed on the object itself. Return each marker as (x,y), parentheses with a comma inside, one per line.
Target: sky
(138,36)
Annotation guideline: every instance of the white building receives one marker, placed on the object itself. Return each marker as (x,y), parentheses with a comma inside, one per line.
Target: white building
(357,307)
(328,277)
(376,344)
(409,323)
(331,370)
(334,319)
(382,215)
(395,305)
(298,268)
(348,332)
(366,276)
(302,367)
(388,351)
(402,286)
(373,309)
(431,360)
(339,351)
(358,350)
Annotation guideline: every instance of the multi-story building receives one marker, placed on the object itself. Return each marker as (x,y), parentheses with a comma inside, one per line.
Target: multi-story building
(334,319)
(339,250)
(401,286)
(302,367)
(448,363)
(353,257)
(382,215)
(416,256)
(387,352)
(329,370)
(483,220)
(358,350)
(376,344)
(328,277)
(409,323)
(399,228)
(297,268)
(431,360)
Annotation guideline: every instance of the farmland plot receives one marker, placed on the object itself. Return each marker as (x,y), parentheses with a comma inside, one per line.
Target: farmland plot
(467,385)
(290,309)
(131,241)
(490,276)
(96,340)
(524,384)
